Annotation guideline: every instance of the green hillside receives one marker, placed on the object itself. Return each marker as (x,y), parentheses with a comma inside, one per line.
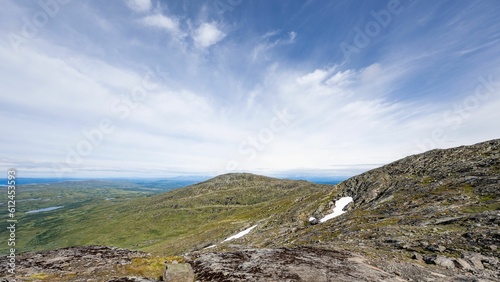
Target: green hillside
(170,223)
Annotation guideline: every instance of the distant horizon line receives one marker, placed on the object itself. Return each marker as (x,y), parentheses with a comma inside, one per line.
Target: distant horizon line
(328,173)
(45,179)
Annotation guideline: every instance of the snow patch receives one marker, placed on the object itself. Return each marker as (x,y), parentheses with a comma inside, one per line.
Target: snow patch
(340,204)
(241,234)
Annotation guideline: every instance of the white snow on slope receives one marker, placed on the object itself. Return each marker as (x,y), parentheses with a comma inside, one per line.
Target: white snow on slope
(340,204)
(241,234)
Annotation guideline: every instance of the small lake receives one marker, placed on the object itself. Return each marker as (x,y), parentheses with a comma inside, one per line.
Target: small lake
(45,209)
(32,199)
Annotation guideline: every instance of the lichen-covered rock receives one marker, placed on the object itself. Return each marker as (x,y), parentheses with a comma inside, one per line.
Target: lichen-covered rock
(178,272)
(92,263)
(131,279)
(284,264)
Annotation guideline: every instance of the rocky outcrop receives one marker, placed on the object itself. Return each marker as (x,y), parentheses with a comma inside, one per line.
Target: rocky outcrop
(178,272)
(311,264)
(286,264)
(131,279)
(87,263)
(476,166)
(441,208)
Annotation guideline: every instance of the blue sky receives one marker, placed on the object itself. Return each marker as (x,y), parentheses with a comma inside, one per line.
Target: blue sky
(148,88)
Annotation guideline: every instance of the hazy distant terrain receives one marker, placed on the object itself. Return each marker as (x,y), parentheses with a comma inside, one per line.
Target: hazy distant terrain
(71,198)
(90,211)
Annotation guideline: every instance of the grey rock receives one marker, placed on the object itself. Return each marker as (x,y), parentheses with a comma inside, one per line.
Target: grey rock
(444,261)
(435,248)
(130,279)
(287,264)
(475,259)
(178,272)
(417,256)
(463,264)
(477,263)
(85,261)
(439,260)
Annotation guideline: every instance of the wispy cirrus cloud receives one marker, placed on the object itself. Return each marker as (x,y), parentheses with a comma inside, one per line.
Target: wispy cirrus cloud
(269,41)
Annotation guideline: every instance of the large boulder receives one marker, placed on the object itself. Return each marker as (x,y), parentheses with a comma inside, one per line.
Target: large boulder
(178,272)
(131,279)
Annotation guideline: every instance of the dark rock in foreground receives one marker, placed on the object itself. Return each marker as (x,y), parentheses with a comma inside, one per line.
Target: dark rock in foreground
(178,272)
(285,264)
(86,263)
(311,264)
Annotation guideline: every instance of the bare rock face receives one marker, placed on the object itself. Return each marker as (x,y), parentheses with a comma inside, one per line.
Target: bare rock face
(285,264)
(86,263)
(178,272)
(440,260)
(131,279)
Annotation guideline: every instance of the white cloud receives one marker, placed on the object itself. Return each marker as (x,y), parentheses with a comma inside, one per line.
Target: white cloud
(265,44)
(338,123)
(207,34)
(314,77)
(163,22)
(343,118)
(55,87)
(65,95)
(270,34)
(139,5)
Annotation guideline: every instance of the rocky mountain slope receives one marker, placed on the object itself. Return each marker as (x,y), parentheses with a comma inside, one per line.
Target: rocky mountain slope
(428,217)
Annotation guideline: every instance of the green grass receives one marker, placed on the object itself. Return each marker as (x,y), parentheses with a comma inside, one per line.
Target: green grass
(164,224)
(487,198)
(482,208)
(427,180)
(468,189)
